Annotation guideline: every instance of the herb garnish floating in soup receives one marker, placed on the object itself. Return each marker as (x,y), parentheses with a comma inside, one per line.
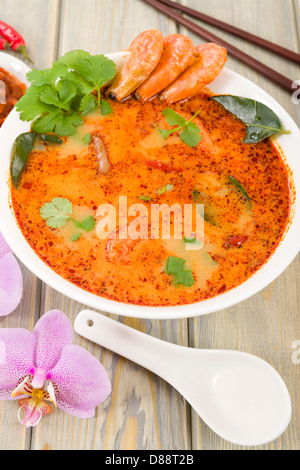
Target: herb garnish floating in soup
(86,202)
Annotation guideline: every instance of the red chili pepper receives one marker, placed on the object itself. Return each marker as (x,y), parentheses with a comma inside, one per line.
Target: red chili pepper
(3,43)
(235,241)
(13,39)
(163,166)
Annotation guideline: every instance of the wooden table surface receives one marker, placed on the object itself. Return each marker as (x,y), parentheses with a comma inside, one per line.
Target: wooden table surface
(144,412)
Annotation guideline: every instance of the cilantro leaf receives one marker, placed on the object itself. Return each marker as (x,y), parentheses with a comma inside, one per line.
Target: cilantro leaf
(87,225)
(69,58)
(87,139)
(190,132)
(88,104)
(30,106)
(57,212)
(76,237)
(105,107)
(58,122)
(47,76)
(174,265)
(173,118)
(164,132)
(59,97)
(184,278)
(180,276)
(165,189)
(190,135)
(96,69)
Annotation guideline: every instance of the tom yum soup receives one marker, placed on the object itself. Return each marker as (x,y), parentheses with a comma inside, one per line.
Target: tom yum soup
(139,193)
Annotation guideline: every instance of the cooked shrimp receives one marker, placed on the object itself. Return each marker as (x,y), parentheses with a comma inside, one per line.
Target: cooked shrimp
(97,146)
(177,56)
(146,51)
(119,251)
(208,63)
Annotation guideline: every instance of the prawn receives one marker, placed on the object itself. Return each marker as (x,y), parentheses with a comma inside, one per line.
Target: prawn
(98,148)
(176,57)
(209,59)
(146,51)
(119,250)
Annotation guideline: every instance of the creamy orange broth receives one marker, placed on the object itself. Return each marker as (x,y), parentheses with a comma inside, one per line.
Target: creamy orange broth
(239,236)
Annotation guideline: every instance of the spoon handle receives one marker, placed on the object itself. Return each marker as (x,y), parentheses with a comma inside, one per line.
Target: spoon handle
(154,354)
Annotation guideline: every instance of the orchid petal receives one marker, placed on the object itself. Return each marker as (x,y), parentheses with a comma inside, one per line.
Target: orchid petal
(11,284)
(24,388)
(81,380)
(16,355)
(72,410)
(53,331)
(6,394)
(33,412)
(4,248)
(50,394)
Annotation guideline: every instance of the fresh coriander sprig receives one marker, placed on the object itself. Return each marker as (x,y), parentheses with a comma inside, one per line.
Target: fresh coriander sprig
(59,97)
(180,276)
(59,211)
(190,132)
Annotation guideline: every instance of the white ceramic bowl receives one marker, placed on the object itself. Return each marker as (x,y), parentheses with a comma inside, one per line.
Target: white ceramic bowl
(227,83)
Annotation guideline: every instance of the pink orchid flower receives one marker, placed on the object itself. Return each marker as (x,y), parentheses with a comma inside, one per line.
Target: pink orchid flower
(43,367)
(11,280)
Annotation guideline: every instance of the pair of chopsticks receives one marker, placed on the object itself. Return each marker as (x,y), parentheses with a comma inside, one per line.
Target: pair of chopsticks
(284,82)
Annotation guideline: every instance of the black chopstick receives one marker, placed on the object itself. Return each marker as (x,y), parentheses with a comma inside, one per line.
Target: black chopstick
(276,77)
(275,48)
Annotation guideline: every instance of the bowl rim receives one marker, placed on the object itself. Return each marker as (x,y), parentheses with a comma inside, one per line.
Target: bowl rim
(284,254)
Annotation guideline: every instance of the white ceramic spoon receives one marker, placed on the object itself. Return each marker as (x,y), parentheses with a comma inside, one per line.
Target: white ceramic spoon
(239,396)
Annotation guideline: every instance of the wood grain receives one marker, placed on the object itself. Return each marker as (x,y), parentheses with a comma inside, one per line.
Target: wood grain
(143,412)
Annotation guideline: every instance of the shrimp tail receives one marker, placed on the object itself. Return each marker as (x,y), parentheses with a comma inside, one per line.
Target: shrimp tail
(209,60)
(146,51)
(176,57)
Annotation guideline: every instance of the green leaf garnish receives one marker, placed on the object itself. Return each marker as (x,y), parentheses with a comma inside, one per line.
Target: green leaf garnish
(87,139)
(52,138)
(105,107)
(57,212)
(190,240)
(239,187)
(190,132)
(87,225)
(173,118)
(22,147)
(88,104)
(180,276)
(260,120)
(59,97)
(210,213)
(165,189)
(76,237)
(191,135)
(145,198)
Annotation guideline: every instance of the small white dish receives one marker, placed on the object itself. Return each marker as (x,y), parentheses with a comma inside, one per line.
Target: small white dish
(14,66)
(228,82)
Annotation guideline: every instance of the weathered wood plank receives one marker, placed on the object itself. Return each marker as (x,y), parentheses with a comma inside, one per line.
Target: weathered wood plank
(267,324)
(143,411)
(39,30)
